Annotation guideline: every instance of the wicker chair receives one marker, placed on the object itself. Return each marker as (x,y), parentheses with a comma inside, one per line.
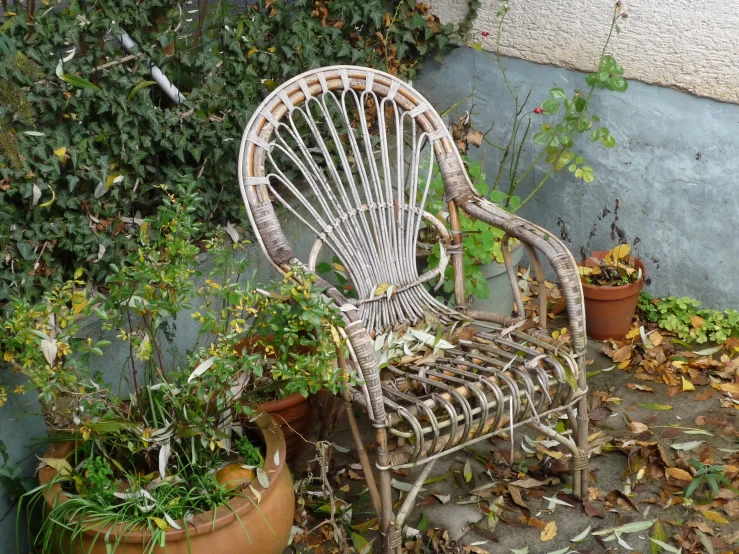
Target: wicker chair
(349,152)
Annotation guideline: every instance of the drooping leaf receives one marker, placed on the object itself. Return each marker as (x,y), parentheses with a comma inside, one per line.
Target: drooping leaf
(78,81)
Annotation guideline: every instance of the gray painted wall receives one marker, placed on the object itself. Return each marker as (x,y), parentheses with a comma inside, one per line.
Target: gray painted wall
(675,168)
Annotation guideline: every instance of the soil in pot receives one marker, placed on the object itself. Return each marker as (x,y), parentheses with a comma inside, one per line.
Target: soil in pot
(610,310)
(248,527)
(500,298)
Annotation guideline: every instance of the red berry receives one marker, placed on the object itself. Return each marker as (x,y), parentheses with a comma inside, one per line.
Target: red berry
(537,110)
(485,33)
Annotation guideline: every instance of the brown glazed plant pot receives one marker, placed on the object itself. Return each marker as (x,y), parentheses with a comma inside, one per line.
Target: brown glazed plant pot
(247,527)
(609,310)
(296,416)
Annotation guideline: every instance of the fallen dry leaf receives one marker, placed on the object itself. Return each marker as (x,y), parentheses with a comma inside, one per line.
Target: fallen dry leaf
(549,532)
(677,473)
(655,338)
(731,508)
(638,427)
(715,517)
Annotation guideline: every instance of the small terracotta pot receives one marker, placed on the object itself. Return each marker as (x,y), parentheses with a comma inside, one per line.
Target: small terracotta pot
(610,310)
(262,528)
(296,416)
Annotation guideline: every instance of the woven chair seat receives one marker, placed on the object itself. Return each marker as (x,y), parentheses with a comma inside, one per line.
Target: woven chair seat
(485,386)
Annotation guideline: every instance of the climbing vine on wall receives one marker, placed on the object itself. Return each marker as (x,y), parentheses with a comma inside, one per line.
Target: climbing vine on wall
(86,135)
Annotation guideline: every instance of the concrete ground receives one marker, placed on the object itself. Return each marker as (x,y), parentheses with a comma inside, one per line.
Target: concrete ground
(464,520)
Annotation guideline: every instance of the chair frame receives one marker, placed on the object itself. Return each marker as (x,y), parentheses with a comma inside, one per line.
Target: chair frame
(461,195)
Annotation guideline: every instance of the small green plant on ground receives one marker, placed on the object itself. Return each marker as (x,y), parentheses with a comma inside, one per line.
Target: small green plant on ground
(567,117)
(688,320)
(707,477)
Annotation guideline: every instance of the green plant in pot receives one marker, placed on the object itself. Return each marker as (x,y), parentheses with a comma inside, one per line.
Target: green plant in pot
(611,281)
(542,141)
(149,447)
(292,332)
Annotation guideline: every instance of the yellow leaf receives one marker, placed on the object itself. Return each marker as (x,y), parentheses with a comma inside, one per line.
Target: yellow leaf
(582,270)
(555,334)
(160,523)
(733,388)
(687,385)
(655,338)
(79,302)
(677,473)
(618,253)
(7,355)
(59,464)
(549,532)
(715,517)
(111,179)
(635,332)
(61,153)
(381,289)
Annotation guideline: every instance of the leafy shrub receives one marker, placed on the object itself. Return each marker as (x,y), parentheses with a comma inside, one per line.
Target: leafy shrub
(685,317)
(85,134)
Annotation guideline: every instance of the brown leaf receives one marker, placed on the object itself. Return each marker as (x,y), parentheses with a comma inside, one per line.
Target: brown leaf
(622,354)
(593,511)
(474,137)
(731,508)
(642,388)
(600,413)
(527,483)
(681,474)
(637,427)
(655,338)
(697,321)
(619,498)
(516,496)
(705,395)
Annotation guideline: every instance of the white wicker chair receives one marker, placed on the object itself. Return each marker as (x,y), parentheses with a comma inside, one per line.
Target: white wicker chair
(349,151)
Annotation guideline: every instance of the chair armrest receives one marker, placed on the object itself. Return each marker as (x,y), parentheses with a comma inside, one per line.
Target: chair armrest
(554,249)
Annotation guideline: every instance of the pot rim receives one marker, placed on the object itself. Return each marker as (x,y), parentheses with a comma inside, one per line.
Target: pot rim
(282,403)
(202,524)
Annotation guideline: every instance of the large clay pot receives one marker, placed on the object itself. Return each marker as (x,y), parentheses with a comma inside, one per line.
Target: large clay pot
(261,528)
(500,298)
(296,416)
(610,310)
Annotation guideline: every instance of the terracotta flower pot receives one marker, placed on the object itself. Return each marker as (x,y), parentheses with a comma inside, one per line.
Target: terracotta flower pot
(296,416)
(266,525)
(610,310)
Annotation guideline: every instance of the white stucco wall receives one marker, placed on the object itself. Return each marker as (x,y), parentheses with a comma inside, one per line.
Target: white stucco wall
(689,45)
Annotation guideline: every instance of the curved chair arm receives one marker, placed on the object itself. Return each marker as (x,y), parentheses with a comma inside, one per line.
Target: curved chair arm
(554,249)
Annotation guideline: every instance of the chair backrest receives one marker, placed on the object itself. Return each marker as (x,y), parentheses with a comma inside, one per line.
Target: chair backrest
(350,152)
